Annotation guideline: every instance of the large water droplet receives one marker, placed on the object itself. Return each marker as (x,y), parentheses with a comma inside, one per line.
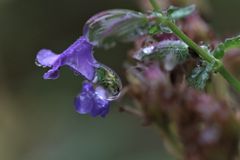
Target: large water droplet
(105,78)
(108,27)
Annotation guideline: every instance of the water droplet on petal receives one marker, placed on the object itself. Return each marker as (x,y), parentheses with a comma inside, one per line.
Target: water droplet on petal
(101,92)
(148,50)
(122,25)
(108,83)
(39,64)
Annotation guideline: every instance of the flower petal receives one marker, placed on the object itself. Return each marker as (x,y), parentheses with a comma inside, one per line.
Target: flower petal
(46,58)
(52,74)
(89,102)
(78,57)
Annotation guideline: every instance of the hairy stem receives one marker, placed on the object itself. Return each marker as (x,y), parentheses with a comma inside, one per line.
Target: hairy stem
(202,53)
(190,43)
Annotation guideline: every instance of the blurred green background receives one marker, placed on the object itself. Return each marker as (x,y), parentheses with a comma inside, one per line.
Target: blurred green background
(37,117)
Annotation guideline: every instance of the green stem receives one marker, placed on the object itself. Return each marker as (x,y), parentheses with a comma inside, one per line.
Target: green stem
(202,53)
(170,138)
(230,78)
(155,6)
(190,43)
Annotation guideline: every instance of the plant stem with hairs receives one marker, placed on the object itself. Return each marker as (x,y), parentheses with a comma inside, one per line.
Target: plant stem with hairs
(202,53)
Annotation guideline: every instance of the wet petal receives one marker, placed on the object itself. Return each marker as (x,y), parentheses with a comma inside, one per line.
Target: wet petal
(90,102)
(46,58)
(78,57)
(52,74)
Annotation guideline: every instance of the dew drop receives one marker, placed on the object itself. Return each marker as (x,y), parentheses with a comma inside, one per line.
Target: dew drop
(144,52)
(106,79)
(148,50)
(170,62)
(39,64)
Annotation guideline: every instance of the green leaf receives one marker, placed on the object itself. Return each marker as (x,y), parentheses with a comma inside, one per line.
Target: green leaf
(154,30)
(170,52)
(200,75)
(177,13)
(158,27)
(222,48)
(107,27)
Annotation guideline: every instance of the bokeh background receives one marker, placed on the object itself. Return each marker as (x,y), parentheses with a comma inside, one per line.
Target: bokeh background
(37,117)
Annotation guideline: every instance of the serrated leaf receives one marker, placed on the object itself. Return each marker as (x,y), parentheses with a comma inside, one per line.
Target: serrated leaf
(106,27)
(222,48)
(200,75)
(177,13)
(171,52)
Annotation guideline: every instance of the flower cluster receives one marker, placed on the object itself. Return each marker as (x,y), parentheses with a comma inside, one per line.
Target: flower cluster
(194,126)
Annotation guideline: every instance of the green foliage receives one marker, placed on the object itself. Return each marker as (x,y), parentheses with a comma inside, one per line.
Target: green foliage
(156,26)
(222,48)
(155,29)
(107,27)
(177,13)
(200,75)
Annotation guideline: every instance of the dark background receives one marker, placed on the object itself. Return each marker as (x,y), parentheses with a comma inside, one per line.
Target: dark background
(37,117)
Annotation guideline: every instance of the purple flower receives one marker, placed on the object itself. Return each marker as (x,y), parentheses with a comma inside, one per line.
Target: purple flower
(78,57)
(92,101)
